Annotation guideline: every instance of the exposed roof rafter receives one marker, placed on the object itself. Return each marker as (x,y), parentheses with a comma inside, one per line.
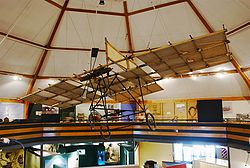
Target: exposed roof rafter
(95,11)
(156,7)
(199,15)
(210,29)
(54,3)
(239,70)
(79,49)
(16,73)
(8,73)
(22,40)
(130,45)
(239,28)
(40,64)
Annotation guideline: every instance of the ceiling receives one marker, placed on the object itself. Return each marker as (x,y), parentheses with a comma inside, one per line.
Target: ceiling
(43,40)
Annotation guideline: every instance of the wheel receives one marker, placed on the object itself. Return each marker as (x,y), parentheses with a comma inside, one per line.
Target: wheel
(105,131)
(150,120)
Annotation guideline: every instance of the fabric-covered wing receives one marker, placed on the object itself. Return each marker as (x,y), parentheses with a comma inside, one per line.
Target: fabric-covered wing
(194,54)
(64,94)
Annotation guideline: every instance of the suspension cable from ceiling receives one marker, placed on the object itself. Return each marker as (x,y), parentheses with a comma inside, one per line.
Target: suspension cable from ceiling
(118,32)
(77,32)
(162,21)
(44,26)
(91,33)
(156,16)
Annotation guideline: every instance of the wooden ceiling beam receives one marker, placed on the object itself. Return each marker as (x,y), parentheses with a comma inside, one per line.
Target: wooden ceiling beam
(156,7)
(245,69)
(95,11)
(199,15)
(40,64)
(79,49)
(73,49)
(9,73)
(239,70)
(16,73)
(54,3)
(210,29)
(239,28)
(31,43)
(19,39)
(130,46)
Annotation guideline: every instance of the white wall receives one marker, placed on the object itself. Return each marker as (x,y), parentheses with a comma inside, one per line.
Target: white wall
(238,107)
(155,151)
(231,85)
(238,158)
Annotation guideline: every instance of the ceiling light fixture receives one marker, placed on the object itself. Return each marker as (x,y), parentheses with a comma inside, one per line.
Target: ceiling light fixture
(16,78)
(102,2)
(220,74)
(194,77)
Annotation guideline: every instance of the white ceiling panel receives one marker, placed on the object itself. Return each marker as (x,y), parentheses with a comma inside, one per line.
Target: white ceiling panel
(240,46)
(8,18)
(89,30)
(10,88)
(134,5)
(67,63)
(35,22)
(60,2)
(18,57)
(231,13)
(206,86)
(163,25)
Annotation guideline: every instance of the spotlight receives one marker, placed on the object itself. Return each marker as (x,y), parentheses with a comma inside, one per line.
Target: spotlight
(194,77)
(220,74)
(102,2)
(16,78)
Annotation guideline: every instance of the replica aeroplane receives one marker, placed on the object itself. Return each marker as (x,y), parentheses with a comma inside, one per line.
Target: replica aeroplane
(128,78)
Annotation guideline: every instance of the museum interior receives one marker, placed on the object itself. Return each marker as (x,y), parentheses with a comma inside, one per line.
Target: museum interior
(125,83)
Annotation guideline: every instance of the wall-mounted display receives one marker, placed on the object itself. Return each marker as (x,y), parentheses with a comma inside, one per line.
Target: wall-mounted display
(181,109)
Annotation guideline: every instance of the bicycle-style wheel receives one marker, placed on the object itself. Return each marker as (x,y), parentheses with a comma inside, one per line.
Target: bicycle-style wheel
(105,131)
(150,120)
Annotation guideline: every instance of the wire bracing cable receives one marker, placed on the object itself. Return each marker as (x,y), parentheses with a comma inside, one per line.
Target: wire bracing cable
(151,33)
